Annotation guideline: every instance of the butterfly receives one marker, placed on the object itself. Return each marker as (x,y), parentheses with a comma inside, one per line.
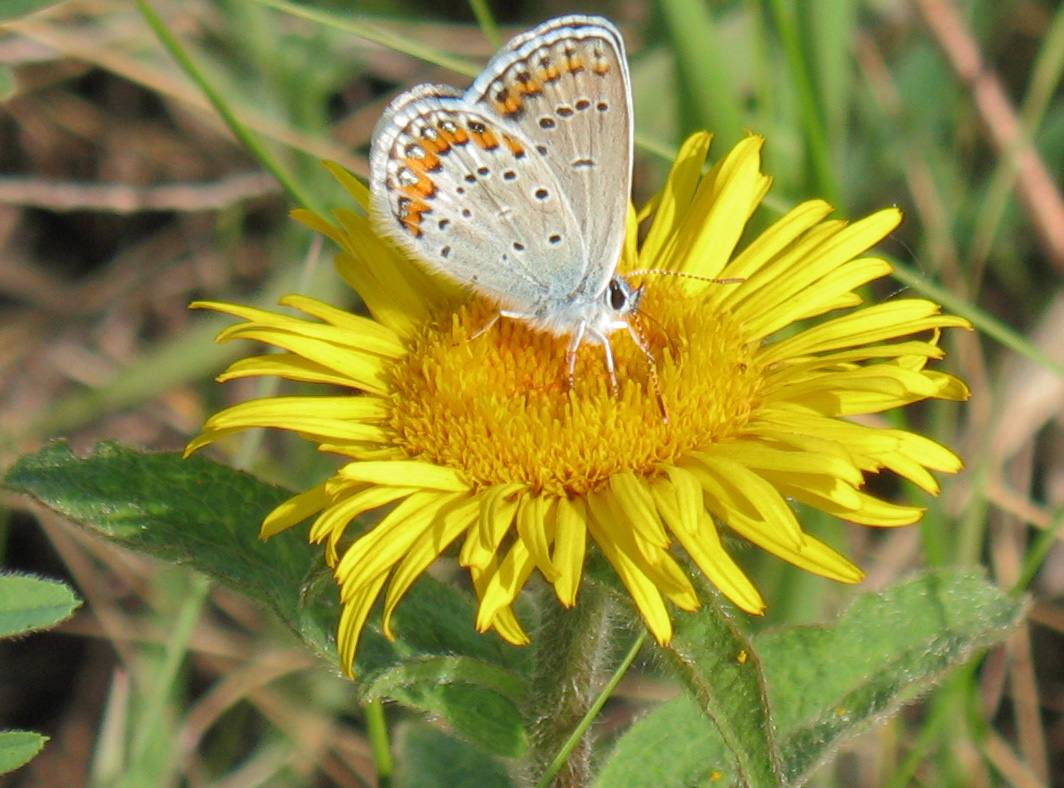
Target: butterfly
(518,188)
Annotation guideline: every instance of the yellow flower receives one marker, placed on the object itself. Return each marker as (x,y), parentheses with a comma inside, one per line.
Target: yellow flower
(481,439)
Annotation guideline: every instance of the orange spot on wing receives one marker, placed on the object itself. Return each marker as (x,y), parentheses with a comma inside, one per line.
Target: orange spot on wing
(508,106)
(485,139)
(548,73)
(530,87)
(454,136)
(516,148)
(409,214)
(430,161)
(421,190)
(436,146)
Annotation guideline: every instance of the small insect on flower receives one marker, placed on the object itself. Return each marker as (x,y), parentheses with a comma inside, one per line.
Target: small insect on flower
(518,188)
(511,445)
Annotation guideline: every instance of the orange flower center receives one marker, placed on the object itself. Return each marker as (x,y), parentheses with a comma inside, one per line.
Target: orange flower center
(498,406)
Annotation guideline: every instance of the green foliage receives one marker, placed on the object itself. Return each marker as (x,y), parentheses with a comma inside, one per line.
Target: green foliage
(17,748)
(13,9)
(7,83)
(858,104)
(722,672)
(204,515)
(27,604)
(778,704)
(479,699)
(429,758)
(824,684)
(191,512)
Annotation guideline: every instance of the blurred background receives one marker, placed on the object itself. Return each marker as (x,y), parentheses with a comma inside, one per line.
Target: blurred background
(123,197)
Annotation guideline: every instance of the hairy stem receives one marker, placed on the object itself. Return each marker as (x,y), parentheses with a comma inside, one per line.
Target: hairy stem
(572,647)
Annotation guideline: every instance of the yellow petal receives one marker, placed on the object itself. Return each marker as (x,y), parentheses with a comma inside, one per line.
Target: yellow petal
(635,500)
(364,333)
(814,556)
(498,507)
(318,224)
(655,562)
(333,522)
(285,365)
(806,300)
(570,547)
(336,417)
(505,584)
(362,370)
(777,238)
(877,323)
(708,553)
(532,528)
(448,525)
(294,511)
(353,617)
(353,185)
(671,204)
(644,591)
(741,492)
(725,200)
(408,473)
(385,544)
(504,621)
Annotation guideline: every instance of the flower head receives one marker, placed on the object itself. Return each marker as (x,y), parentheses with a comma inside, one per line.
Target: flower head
(480,438)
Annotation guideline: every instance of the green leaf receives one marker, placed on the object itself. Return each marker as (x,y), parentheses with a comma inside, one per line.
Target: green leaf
(196,512)
(17,748)
(479,699)
(675,746)
(33,603)
(426,757)
(828,683)
(190,511)
(718,665)
(13,9)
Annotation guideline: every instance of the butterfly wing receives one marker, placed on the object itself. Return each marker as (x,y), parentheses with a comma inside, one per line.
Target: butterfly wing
(565,86)
(517,188)
(473,203)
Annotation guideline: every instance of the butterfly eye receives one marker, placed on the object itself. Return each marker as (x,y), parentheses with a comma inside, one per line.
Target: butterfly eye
(616,296)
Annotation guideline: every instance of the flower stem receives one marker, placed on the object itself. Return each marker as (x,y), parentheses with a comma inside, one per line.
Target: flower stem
(377,727)
(572,647)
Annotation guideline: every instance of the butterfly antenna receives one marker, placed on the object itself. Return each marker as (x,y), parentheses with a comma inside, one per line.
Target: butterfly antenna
(639,335)
(663,272)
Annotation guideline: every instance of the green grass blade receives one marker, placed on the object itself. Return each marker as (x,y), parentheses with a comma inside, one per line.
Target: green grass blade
(488,27)
(375,35)
(1045,79)
(705,82)
(221,106)
(815,137)
(831,26)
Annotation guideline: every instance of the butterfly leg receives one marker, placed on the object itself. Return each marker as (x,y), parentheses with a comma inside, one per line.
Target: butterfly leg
(570,353)
(615,389)
(485,327)
(635,329)
(603,340)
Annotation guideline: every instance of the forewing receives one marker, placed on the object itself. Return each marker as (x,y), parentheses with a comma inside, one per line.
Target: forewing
(475,201)
(565,87)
